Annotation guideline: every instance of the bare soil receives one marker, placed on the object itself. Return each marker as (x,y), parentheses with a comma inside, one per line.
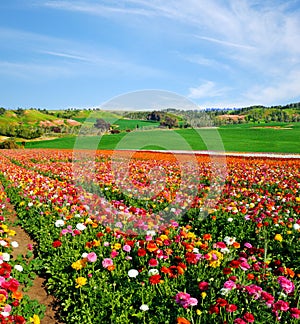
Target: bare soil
(38,290)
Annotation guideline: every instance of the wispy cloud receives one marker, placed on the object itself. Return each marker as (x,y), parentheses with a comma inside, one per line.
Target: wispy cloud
(226,43)
(66,55)
(208,89)
(285,89)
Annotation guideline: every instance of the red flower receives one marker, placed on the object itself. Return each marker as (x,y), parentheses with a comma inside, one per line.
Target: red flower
(230,308)
(227,271)
(155,279)
(203,285)
(191,258)
(235,264)
(222,302)
(56,244)
(141,252)
(5,270)
(153,263)
(214,309)
(249,317)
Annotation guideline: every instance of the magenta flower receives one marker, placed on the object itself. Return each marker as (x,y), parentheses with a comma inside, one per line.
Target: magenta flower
(286,285)
(185,300)
(280,305)
(107,262)
(229,284)
(254,291)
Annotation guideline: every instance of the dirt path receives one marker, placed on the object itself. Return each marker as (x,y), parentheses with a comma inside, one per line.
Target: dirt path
(37,291)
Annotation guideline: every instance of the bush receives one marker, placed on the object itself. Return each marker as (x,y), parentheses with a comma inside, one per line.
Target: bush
(9,144)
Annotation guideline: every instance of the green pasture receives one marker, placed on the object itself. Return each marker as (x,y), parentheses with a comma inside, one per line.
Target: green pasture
(232,138)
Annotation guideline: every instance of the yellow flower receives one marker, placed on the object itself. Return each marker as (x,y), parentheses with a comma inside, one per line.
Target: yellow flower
(198,312)
(289,232)
(278,237)
(81,281)
(35,319)
(117,246)
(2,299)
(79,264)
(11,233)
(191,235)
(203,294)
(164,237)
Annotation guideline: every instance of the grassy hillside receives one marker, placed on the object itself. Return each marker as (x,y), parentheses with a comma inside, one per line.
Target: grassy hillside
(234,140)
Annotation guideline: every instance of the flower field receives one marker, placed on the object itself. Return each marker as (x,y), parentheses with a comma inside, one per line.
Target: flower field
(154,239)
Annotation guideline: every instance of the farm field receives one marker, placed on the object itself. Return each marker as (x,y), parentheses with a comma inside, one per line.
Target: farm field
(141,237)
(235,138)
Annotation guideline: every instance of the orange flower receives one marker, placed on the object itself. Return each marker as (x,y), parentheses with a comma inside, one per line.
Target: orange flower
(17,295)
(111,268)
(250,276)
(152,247)
(236,245)
(181,320)
(206,237)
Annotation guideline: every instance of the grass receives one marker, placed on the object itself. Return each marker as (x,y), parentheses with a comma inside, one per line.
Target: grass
(243,139)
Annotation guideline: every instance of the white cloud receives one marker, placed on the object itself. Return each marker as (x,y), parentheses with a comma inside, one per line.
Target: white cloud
(284,90)
(207,90)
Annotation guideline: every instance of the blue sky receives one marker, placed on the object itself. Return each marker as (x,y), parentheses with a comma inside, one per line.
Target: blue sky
(231,53)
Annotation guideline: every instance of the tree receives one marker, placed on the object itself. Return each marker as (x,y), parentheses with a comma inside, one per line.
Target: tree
(169,122)
(102,124)
(155,116)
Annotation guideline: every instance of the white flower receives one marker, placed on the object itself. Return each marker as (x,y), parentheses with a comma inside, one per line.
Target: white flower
(3,243)
(132,273)
(5,314)
(225,250)
(229,240)
(5,257)
(151,233)
(296,227)
(80,226)
(84,255)
(144,307)
(59,223)
(224,291)
(14,244)
(230,219)
(18,267)
(30,204)
(195,250)
(152,272)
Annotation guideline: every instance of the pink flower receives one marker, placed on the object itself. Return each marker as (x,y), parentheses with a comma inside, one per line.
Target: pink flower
(92,257)
(244,266)
(286,285)
(127,248)
(280,305)
(185,300)
(254,291)
(295,312)
(239,321)
(229,284)
(114,253)
(268,298)
(107,262)
(193,301)
(248,245)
